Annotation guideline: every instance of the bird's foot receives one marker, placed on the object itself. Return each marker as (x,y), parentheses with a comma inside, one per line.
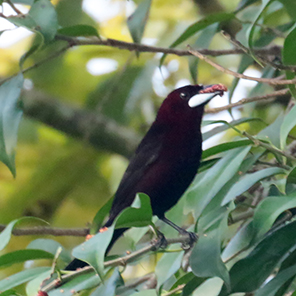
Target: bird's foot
(192,239)
(159,242)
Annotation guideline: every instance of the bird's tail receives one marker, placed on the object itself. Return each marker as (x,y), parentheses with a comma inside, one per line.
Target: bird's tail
(76,263)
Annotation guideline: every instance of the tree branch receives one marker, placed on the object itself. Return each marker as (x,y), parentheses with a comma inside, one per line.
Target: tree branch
(122,261)
(98,130)
(48,231)
(274,94)
(271,81)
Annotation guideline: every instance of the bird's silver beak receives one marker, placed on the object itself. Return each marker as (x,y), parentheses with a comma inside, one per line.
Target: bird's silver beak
(206,94)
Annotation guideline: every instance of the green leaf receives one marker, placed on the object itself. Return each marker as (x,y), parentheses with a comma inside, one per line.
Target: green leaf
(198,26)
(226,125)
(151,292)
(288,123)
(10,293)
(44,15)
(290,7)
(109,287)
(33,286)
(21,277)
(6,233)
(79,30)
(137,21)
(139,214)
(247,181)
(22,256)
(251,33)
(201,192)
(202,24)
(289,57)
(225,147)
(249,273)
(291,182)
(205,259)
(268,210)
(77,284)
(51,247)
(100,216)
(10,117)
(271,288)
(93,250)
(167,266)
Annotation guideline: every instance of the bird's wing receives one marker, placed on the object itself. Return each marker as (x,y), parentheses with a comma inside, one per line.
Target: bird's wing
(146,154)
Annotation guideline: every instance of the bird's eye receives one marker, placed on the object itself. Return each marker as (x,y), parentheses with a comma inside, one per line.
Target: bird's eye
(183,95)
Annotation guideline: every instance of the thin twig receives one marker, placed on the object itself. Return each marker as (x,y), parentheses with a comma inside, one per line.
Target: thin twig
(271,81)
(277,93)
(14,8)
(179,288)
(116,262)
(268,147)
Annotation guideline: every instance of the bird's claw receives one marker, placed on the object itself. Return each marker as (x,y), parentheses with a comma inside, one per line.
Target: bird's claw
(193,237)
(159,242)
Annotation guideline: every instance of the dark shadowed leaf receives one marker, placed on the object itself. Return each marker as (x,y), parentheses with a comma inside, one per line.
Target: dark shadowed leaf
(291,182)
(271,288)
(137,21)
(79,30)
(10,116)
(249,273)
(93,250)
(21,277)
(289,57)
(288,123)
(100,216)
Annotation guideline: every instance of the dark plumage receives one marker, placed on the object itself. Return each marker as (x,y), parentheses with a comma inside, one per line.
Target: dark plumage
(167,158)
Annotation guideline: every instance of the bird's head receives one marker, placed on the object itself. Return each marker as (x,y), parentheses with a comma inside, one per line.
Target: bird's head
(187,102)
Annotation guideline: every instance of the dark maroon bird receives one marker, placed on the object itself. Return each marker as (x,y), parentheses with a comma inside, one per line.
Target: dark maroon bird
(168,157)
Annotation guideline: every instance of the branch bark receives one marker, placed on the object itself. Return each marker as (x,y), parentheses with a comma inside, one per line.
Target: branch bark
(88,126)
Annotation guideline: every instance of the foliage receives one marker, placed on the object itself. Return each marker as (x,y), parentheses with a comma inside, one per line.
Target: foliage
(243,199)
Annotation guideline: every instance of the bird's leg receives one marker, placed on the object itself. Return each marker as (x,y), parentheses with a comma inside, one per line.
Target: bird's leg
(192,236)
(161,241)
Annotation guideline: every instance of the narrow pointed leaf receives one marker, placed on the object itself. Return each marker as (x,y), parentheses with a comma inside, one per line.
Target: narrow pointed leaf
(10,116)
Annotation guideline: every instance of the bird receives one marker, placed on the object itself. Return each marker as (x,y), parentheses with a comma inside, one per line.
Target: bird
(167,159)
